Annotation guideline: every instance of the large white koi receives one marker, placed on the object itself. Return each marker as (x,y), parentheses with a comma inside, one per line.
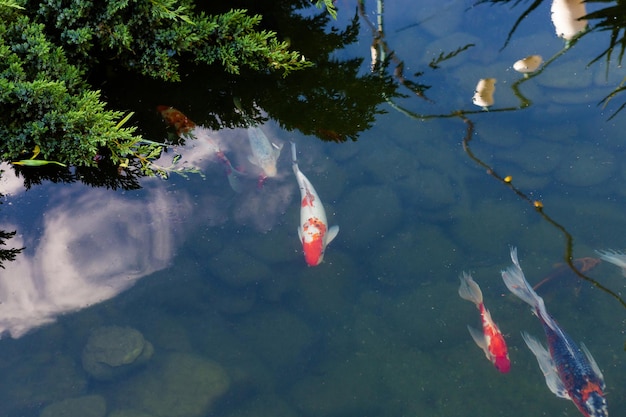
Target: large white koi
(313,229)
(264,153)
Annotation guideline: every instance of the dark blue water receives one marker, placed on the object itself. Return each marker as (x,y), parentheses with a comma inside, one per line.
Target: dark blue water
(216,282)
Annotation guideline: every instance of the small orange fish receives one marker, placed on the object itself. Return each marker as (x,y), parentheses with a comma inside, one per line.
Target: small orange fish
(490,340)
(176,118)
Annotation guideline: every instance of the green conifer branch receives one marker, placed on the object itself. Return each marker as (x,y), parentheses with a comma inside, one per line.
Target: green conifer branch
(45,52)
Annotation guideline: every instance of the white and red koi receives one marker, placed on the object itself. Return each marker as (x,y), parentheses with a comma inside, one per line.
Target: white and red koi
(313,229)
(185,127)
(490,340)
(570,371)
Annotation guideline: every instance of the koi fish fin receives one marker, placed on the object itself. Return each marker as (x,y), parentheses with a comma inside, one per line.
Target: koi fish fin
(234,181)
(479,339)
(616,258)
(515,281)
(231,173)
(331,234)
(469,289)
(546,363)
(300,233)
(592,362)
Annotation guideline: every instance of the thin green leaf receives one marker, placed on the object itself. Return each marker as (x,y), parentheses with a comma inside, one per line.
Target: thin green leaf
(36,162)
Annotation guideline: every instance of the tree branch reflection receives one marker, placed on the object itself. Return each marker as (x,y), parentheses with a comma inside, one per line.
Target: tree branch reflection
(538,207)
(524,102)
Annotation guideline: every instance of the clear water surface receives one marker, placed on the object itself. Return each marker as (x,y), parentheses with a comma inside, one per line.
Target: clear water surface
(240,326)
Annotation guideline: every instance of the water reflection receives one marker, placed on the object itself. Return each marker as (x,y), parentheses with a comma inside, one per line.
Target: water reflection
(91,245)
(375,329)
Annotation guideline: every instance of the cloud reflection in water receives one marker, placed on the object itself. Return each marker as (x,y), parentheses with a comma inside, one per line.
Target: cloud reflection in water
(93,246)
(86,245)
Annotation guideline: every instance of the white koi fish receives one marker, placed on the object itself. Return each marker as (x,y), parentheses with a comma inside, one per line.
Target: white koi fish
(264,153)
(313,230)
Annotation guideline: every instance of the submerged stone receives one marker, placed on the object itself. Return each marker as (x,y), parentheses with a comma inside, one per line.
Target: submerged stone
(112,351)
(184,385)
(129,413)
(87,406)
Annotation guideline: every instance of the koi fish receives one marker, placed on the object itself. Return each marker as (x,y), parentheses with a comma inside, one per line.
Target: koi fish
(490,340)
(563,271)
(185,127)
(313,230)
(175,118)
(570,371)
(264,153)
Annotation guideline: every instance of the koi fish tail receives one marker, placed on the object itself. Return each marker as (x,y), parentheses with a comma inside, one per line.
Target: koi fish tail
(231,173)
(233,180)
(515,281)
(469,289)
(294,158)
(614,257)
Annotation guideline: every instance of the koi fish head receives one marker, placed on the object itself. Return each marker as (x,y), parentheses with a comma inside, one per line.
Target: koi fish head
(270,169)
(594,403)
(502,363)
(313,241)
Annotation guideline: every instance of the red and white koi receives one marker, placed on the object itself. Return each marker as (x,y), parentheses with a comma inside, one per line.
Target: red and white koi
(570,371)
(313,229)
(490,340)
(185,127)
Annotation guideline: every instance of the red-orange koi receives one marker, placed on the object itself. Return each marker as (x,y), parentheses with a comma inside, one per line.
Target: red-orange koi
(490,340)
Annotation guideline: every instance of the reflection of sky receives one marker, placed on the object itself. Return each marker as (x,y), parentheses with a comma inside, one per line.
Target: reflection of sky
(257,206)
(85,245)
(414,212)
(91,245)
(419,35)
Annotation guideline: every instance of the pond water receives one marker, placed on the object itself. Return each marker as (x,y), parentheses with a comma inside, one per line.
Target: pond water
(216,282)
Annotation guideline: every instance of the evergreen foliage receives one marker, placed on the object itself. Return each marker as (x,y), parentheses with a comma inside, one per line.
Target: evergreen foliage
(47,108)
(153,36)
(330,6)
(7,254)
(46,104)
